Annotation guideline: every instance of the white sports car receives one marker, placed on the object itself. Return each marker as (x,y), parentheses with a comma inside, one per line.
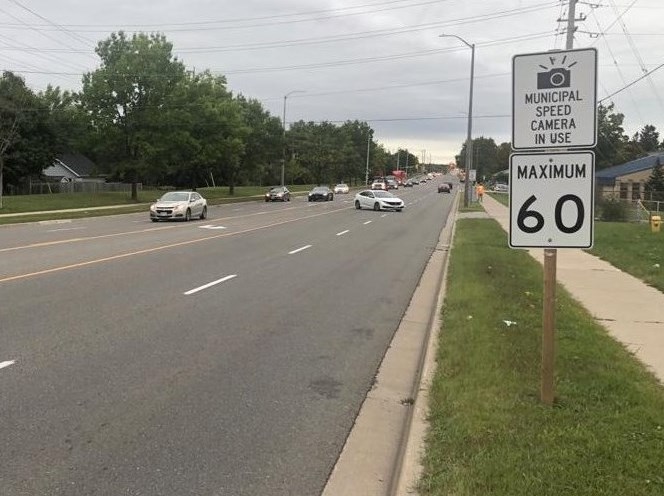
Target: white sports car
(378,200)
(341,188)
(179,205)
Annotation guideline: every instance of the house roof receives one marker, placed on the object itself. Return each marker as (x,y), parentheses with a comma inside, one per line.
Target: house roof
(78,164)
(609,175)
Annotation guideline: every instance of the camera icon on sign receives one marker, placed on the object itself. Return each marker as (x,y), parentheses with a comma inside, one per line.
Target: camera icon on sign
(553,78)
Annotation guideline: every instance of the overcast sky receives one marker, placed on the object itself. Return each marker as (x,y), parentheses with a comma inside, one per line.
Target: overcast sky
(377,61)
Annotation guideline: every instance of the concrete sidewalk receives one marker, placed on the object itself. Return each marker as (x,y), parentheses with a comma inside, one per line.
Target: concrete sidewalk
(629,309)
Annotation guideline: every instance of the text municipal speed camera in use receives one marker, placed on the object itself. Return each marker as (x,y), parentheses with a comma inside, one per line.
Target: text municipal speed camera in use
(554,99)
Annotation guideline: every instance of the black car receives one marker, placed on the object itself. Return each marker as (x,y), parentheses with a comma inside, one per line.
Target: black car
(321,193)
(278,193)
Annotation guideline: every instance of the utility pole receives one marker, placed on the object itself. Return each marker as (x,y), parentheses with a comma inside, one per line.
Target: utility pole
(547,386)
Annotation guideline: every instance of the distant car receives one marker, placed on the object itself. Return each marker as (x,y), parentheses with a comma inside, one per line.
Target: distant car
(341,188)
(379,185)
(378,200)
(278,193)
(501,187)
(392,184)
(408,184)
(444,188)
(321,193)
(179,205)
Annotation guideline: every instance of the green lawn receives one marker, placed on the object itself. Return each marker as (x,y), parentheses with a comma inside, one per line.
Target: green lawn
(489,433)
(633,248)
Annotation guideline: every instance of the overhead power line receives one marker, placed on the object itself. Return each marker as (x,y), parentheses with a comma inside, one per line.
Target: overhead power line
(632,83)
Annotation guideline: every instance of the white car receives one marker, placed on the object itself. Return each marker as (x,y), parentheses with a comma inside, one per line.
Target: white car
(378,200)
(179,205)
(341,188)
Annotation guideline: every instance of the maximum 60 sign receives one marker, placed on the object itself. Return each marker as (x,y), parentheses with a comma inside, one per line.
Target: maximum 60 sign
(552,200)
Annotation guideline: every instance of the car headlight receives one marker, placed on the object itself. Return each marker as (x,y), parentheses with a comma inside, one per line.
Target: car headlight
(153,207)
(178,207)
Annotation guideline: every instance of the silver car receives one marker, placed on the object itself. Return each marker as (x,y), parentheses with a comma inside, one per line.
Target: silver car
(179,205)
(378,200)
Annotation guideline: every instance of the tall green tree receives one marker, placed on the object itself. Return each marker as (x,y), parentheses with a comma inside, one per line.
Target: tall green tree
(648,138)
(27,142)
(263,142)
(69,123)
(485,157)
(126,94)
(613,146)
(503,156)
(655,184)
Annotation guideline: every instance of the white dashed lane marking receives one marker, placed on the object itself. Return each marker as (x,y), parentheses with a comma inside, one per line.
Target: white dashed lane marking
(368,222)
(299,250)
(211,227)
(7,363)
(210,284)
(343,232)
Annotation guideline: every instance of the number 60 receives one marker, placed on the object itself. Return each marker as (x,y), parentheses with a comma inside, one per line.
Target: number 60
(524,214)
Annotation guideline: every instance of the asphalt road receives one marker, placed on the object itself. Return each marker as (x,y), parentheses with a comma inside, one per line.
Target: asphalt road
(221,357)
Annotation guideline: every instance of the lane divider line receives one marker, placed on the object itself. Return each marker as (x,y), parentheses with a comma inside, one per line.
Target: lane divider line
(160,248)
(368,222)
(210,284)
(343,232)
(299,250)
(7,363)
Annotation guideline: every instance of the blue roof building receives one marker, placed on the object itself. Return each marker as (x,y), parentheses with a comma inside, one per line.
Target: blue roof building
(627,181)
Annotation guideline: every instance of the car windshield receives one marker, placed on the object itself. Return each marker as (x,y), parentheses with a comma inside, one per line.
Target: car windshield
(320,190)
(342,185)
(276,190)
(175,196)
(383,194)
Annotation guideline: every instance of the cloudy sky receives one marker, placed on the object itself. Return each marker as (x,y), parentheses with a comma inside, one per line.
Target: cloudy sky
(380,61)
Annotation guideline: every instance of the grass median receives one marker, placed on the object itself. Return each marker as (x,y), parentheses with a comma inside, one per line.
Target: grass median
(489,433)
(50,203)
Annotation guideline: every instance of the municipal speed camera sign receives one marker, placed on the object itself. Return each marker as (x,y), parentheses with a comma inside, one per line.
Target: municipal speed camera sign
(551,200)
(554,99)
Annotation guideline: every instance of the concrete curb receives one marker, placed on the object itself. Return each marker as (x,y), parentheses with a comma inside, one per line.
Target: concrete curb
(378,456)
(410,470)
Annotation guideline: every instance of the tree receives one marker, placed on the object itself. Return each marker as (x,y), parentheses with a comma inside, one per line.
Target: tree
(68,121)
(263,143)
(125,97)
(485,157)
(27,142)
(503,156)
(655,184)
(648,138)
(613,146)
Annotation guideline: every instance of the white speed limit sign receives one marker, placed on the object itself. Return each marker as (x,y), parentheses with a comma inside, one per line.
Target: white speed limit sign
(552,200)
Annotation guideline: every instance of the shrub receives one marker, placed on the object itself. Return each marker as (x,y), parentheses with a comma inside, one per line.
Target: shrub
(613,210)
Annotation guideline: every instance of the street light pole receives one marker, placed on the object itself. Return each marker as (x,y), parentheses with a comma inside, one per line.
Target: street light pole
(469,139)
(283,159)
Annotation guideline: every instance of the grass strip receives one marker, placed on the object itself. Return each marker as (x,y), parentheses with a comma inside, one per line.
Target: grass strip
(489,434)
(633,248)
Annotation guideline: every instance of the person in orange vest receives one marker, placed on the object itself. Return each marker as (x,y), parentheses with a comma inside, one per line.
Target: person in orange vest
(479,189)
